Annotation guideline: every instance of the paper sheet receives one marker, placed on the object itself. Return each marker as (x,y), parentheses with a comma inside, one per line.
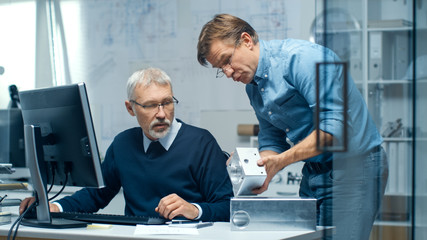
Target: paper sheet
(154,229)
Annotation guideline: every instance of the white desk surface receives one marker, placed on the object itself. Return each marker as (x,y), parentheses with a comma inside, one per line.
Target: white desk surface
(220,230)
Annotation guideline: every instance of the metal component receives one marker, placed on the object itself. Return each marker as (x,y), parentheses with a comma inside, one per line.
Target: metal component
(263,213)
(244,172)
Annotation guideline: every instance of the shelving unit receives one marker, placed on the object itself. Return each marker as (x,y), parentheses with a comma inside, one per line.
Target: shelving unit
(389,99)
(375,38)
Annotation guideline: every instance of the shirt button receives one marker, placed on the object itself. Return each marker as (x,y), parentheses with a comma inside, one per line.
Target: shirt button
(269,113)
(266,75)
(287,129)
(262,89)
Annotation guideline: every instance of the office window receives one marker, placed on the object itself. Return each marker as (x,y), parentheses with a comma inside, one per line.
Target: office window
(17,46)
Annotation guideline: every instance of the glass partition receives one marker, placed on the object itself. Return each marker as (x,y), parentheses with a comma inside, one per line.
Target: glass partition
(419,76)
(383,43)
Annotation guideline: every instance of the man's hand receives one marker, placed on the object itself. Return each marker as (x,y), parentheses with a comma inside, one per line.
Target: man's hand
(173,205)
(25,204)
(28,201)
(272,164)
(307,148)
(229,159)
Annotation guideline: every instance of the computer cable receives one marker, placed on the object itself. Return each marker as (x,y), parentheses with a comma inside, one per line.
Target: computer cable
(62,189)
(18,222)
(53,171)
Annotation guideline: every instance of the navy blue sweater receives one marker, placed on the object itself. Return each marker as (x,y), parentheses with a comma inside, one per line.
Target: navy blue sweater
(193,167)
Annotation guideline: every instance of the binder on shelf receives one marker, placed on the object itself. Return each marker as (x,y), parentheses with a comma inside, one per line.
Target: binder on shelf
(375,55)
(403,55)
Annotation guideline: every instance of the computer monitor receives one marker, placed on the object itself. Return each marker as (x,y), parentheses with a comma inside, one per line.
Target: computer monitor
(12,148)
(60,141)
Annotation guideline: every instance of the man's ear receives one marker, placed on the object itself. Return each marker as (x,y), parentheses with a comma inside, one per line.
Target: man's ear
(246,39)
(129,108)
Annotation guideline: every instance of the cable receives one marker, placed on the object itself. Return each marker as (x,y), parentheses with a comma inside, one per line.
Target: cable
(67,172)
(18,221)
(53,169)
(62,189)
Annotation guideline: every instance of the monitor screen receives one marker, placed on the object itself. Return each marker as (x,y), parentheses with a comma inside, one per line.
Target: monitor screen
(60,140)
(12,148)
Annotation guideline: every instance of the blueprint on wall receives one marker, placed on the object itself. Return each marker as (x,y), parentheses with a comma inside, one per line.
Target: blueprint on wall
(107,40)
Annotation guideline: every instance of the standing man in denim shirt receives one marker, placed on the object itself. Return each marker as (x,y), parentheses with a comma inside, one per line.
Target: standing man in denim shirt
(280,78)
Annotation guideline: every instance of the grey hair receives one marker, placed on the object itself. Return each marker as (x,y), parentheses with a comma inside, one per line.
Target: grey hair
(146,77)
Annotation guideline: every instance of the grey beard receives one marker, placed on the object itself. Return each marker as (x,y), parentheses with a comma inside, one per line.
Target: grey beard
(159,134)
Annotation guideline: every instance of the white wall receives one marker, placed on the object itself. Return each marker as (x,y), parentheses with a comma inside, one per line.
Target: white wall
(107,41)
(223,125)
(116,38)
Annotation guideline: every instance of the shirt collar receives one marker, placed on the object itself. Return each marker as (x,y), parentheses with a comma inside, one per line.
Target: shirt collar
(167,140)
(262,68)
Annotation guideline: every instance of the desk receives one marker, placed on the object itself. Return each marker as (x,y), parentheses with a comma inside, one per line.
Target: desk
(220,230)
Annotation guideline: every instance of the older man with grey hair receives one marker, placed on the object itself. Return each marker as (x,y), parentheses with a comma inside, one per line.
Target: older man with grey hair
(165,166)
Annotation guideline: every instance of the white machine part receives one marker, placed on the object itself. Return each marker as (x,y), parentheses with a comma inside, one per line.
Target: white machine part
(244,172)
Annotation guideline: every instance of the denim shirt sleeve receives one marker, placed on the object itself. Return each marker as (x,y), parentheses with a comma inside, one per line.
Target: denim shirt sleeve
(331,78)
(284,93)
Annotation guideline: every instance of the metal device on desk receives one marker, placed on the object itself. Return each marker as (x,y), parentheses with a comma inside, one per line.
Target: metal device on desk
(244,172)
(250,212)
(269,213)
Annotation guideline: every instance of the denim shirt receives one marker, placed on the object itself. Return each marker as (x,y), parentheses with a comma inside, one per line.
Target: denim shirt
(283,95)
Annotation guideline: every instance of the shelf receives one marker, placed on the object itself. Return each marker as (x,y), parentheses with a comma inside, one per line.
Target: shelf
(339,31)
(397,139)
(392,223)
(389,81)
(401,139)
(398,194)
(369,29)
(390,29)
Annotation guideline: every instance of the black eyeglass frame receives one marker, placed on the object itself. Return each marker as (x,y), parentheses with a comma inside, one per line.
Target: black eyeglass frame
(156,105)
(220,71)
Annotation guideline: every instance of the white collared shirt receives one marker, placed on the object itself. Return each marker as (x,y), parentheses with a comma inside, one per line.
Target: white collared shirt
(167,140)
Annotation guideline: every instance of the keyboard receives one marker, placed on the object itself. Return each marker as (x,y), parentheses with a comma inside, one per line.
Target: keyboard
(109,218)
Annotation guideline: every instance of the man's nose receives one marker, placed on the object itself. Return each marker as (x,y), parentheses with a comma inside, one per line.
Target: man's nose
(161,112)
(229,72)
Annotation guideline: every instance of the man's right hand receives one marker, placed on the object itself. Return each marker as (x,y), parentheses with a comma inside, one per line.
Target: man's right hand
(28,201)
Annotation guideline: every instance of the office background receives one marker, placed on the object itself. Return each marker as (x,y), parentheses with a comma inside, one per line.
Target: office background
(105,41)
(101,42)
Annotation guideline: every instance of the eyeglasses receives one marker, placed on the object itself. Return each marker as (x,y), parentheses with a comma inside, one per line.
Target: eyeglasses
(222,70)
(168,104)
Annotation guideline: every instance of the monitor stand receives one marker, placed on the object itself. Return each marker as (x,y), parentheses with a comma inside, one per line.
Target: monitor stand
(37,166)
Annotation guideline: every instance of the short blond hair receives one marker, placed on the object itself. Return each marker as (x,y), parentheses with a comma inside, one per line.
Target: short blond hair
(224,27)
